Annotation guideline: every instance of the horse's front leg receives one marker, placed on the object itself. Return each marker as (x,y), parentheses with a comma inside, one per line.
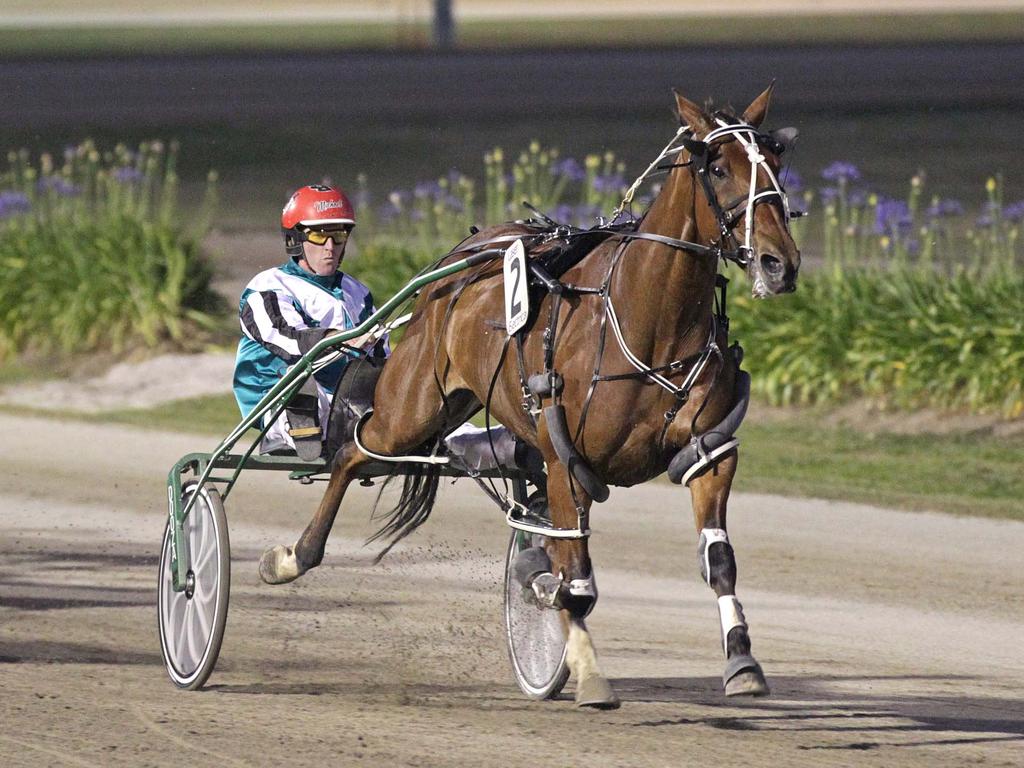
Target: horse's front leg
(710,491)
(577,594)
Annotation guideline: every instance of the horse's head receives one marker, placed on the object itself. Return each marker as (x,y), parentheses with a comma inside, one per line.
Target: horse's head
(736,168)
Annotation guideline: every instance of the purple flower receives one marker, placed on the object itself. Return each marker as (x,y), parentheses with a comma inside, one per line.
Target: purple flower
(990,214)
(570,169)
(841,171)
(427,189)
(913,247)
(610,183)
(791,180)
(453,203)
(126,174)
(562,213)
(1014,211)
(892,217)
(857,198)
(945,209)
(58,185)
(13,203)
(829,194)
(584,215)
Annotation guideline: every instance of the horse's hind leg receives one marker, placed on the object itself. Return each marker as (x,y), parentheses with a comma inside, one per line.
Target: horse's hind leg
(743,675)
(282,564)
(389,431)
(570,559)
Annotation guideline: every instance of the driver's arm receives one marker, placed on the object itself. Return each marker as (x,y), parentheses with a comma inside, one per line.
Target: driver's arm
(270,319)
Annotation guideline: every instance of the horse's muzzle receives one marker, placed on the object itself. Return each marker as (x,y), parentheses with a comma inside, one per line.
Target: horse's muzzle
(773,275)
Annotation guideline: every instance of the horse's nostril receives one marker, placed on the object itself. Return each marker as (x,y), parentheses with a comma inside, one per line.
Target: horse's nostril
(772,264)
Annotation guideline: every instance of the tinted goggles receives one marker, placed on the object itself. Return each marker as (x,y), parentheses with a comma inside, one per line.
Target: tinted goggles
(321,236)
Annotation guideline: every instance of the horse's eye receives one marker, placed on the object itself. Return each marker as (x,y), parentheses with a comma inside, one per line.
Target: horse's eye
(718,171)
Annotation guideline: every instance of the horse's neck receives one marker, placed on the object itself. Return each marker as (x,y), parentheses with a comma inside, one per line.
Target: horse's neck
(681,283)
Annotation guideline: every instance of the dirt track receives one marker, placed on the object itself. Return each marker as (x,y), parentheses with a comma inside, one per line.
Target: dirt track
(889,638)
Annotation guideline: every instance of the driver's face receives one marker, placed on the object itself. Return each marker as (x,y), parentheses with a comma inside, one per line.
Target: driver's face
(322,260)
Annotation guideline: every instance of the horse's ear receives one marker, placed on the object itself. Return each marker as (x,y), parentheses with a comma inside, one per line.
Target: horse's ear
(757,111)
(691,114)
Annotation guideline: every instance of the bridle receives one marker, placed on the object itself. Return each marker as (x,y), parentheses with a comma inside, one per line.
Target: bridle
(729,215)
(751,140)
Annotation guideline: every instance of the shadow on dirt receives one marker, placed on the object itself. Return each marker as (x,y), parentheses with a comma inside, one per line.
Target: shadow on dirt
(48,652)
(819,708)
(43,596)
(76,559)
(446,694)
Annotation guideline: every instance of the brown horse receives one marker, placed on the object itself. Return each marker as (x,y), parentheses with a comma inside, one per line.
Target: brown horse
(664,297)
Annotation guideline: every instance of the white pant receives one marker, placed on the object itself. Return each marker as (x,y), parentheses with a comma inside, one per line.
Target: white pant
(474,447)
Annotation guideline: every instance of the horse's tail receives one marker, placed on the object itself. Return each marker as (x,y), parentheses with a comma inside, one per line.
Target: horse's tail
(419,491)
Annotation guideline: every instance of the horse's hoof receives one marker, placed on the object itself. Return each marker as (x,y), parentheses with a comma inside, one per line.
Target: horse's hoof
(596,692)
(279,566)
(743,677)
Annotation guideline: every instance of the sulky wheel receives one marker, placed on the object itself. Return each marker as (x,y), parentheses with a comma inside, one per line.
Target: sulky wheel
(536,639)
(192,621)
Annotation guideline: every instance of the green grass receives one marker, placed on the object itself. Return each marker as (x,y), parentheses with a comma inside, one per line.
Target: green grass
(214,415)
(970,474)
(967,474)
(624,32)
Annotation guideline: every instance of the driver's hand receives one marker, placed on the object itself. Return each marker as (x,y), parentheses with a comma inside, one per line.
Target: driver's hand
(364,342)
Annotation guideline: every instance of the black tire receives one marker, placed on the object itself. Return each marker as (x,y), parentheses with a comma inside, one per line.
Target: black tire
(535,635)
(192,624)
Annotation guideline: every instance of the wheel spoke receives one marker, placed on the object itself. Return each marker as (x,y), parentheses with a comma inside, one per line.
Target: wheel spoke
(194,524)
(204,560)
(202,523)
(204,623)
(204,595)
(170,607)
(199,635)
(190,635)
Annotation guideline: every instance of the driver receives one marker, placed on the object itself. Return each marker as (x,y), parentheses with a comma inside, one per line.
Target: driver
(285,311)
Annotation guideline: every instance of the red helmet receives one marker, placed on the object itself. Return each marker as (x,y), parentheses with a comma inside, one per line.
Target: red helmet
(317,205)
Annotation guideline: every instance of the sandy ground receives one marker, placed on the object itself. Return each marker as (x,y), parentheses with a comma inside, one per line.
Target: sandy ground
(128,385)
(889,638)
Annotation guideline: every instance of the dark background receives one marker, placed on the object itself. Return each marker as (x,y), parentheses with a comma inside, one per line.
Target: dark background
(271,122)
